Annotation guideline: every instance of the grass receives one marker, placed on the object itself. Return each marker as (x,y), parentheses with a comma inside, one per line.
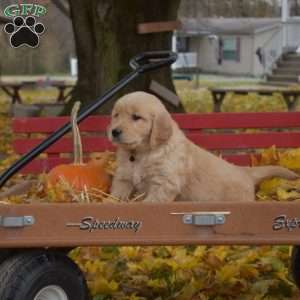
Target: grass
(200,99)
(195,98)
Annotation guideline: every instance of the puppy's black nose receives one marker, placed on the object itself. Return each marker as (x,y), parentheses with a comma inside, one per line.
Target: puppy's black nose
(116,132)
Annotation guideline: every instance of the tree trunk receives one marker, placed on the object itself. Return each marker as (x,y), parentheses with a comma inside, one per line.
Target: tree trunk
(106,38)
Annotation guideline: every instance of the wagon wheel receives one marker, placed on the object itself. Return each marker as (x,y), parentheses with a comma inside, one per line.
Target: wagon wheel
(41,275)
(295,265)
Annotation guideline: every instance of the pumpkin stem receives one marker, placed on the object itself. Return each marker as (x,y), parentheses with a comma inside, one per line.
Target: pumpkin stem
(77,144)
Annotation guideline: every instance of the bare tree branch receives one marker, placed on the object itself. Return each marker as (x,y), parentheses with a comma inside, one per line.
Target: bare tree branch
(3,20)
(62,6)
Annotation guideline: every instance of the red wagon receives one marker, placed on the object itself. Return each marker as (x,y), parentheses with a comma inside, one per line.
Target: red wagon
(34,239)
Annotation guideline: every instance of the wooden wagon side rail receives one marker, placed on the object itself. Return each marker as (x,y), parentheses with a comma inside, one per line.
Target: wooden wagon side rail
(68,225)
(211,131)
(186,121)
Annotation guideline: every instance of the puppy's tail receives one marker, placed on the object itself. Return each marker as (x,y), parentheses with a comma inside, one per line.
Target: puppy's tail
(260,173)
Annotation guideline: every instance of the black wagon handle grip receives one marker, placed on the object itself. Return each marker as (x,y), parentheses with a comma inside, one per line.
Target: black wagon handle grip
(148,61)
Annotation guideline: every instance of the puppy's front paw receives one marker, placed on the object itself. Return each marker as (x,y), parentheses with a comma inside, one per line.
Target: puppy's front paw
(119,195)
(161,198)
(156,200)
(121,190)
(149,200)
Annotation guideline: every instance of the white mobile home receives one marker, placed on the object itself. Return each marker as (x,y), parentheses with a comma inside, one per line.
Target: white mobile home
(227,46)
(236,46)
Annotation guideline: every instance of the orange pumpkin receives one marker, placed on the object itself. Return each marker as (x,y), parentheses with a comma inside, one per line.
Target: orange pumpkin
(80,175)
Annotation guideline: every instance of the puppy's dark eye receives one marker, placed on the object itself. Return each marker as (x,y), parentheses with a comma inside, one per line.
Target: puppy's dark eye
(136,117)
(115,115)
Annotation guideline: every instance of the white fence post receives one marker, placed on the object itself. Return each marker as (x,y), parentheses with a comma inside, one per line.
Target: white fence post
(285,14)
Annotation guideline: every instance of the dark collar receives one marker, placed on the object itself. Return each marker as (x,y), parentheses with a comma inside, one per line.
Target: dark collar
(132,156)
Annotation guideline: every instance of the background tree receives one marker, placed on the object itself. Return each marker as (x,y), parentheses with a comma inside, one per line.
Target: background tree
(52,55)
(106,38)
(3,20)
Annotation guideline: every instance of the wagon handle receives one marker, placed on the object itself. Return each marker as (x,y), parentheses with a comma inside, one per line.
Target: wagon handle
(141,63)
(148,61)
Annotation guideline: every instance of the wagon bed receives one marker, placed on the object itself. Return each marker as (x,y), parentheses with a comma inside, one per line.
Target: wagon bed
(69,225)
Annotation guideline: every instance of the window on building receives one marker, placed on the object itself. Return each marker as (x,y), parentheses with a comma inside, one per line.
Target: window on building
(182,44)
(231,49)
(295,8)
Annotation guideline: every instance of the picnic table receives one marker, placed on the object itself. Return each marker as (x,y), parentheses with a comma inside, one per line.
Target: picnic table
(289,95)
(12,89)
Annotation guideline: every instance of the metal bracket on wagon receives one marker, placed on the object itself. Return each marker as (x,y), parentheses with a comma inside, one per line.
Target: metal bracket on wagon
(203,218)
(16,222)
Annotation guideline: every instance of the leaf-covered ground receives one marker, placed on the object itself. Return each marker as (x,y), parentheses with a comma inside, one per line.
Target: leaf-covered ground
(183,273)
(187,272)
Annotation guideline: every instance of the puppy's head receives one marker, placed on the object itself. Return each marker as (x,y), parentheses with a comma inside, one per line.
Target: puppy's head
(139,121)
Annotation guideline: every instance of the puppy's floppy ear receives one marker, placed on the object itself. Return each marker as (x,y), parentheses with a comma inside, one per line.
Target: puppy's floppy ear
(108,129)
(161,129)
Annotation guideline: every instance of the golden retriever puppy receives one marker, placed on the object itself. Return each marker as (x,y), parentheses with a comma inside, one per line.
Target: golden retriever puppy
(155,158)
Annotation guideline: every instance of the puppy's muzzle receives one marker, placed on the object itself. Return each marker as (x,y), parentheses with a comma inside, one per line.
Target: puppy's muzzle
(116,133)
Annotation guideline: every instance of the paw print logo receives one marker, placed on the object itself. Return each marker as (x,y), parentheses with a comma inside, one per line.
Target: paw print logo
(24,31)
